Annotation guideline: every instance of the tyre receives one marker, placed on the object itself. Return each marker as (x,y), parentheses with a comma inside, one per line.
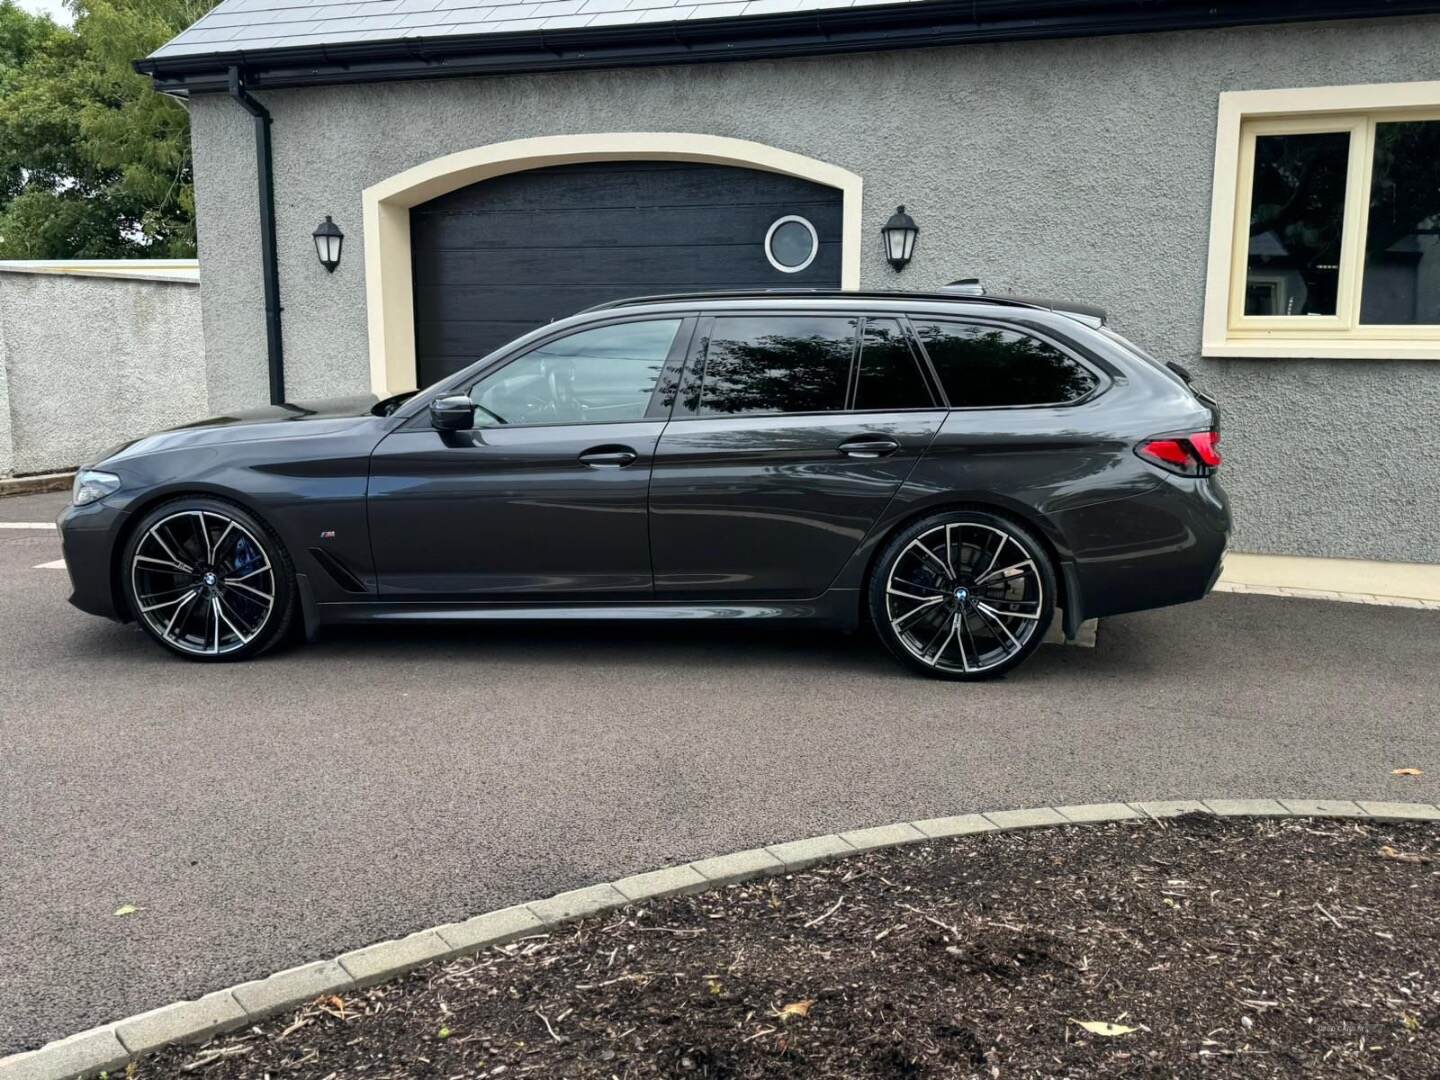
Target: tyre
(208,580)
(962,595)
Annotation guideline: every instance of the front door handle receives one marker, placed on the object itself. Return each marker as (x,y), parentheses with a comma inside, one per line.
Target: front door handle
(608,457)
(868,446)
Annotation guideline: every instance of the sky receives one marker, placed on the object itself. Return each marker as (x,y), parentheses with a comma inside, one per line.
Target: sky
(54,8)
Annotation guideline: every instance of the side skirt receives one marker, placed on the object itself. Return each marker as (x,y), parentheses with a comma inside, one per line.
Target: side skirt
(837,608)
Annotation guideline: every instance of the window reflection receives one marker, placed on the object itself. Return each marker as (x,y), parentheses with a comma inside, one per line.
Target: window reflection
(1297,209)
(780,364)
(1402,264)
(605,374)
(889,377)
(985,366)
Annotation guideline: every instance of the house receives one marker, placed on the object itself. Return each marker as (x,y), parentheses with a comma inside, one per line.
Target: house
(1248,186)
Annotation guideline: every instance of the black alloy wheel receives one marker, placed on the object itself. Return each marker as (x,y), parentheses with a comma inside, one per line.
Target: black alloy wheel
(963,595)
(208,580)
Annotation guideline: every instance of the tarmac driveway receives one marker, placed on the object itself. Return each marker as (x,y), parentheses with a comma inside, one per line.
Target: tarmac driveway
(266,814)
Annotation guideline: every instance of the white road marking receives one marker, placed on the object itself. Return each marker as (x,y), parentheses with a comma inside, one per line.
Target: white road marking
(58,564)
(27,525)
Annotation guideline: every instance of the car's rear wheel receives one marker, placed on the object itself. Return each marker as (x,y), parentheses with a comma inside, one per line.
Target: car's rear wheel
(208,581)
(963,595)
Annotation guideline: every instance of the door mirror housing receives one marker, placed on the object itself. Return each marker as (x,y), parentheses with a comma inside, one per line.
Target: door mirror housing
(455,412)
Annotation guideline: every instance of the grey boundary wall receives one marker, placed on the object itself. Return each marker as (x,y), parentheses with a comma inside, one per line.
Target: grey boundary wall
(90,359)
(111,1046)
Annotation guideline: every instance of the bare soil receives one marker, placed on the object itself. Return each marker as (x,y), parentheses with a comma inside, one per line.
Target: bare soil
(1249,948)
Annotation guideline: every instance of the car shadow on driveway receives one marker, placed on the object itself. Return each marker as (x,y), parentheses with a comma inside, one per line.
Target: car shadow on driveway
(583,646)
(1227,639)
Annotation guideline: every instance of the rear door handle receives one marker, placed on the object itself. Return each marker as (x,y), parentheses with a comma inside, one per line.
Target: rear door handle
(608,457)
(868,446)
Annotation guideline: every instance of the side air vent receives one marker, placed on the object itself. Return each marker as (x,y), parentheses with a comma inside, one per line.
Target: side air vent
(338,572)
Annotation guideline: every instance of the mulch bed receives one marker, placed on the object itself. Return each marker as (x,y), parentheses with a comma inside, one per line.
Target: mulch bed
(1231,948)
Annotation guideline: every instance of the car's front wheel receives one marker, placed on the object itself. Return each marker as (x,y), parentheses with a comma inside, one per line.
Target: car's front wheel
(207,580)
(963,595)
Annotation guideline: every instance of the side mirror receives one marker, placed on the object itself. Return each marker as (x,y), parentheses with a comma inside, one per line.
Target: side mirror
(453,413)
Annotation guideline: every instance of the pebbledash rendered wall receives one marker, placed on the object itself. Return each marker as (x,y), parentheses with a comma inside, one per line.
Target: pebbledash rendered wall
(93,354)
(1076,168)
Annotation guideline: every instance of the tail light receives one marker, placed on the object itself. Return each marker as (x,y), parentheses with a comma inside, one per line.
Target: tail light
(1194,454)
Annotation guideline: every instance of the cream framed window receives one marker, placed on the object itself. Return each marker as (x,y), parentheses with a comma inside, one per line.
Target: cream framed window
(1325,223)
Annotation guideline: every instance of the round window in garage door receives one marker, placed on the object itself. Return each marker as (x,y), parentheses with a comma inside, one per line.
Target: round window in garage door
(501,257)
(791,244)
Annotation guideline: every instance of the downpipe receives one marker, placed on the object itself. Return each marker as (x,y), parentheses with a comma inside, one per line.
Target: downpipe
(270,266)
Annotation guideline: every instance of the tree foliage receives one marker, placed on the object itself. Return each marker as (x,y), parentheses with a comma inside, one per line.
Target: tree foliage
(93,162)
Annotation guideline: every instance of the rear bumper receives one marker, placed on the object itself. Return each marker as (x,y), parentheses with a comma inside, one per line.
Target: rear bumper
(87,538)
(1165,546)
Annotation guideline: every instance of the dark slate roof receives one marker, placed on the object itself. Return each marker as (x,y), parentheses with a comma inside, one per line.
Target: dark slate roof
(244,25)
(265,44)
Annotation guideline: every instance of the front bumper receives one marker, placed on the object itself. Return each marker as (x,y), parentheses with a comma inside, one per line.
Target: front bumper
(88,535)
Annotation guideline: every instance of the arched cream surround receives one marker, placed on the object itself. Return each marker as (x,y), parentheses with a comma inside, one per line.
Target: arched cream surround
(389,299)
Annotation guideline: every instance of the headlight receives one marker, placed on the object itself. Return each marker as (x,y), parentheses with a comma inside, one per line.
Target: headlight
(92,485)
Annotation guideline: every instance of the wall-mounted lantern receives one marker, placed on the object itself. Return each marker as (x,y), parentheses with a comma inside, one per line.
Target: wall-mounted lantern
(328,240)
(900,233)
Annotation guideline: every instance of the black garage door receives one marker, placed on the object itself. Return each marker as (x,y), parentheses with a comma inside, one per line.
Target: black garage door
(504,256)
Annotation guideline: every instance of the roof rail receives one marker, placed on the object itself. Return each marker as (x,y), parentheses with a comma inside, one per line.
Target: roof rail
(967,289)
(808,294)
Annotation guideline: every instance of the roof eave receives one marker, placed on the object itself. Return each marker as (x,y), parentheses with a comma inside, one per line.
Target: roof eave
(835,30)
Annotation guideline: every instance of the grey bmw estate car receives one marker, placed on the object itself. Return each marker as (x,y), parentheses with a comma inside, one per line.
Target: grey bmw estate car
(951,468)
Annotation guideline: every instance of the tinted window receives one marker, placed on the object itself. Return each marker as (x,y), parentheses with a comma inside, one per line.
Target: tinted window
(605,374)
(1297,208)
(889,376)
(777,364)
(1402,242)
(982,366)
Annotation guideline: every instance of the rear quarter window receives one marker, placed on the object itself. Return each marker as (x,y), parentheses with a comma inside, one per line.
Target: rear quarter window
(984,366)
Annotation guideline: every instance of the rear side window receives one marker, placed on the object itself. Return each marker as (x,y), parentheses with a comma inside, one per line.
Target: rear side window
(777,364)
(889,377)
(986,366)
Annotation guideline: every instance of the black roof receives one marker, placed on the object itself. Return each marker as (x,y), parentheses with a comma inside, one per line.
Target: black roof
(278,43)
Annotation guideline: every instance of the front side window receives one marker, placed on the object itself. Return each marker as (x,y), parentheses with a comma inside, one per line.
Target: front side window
(1326,236)
(607,374)
(777,364)
(989,367)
